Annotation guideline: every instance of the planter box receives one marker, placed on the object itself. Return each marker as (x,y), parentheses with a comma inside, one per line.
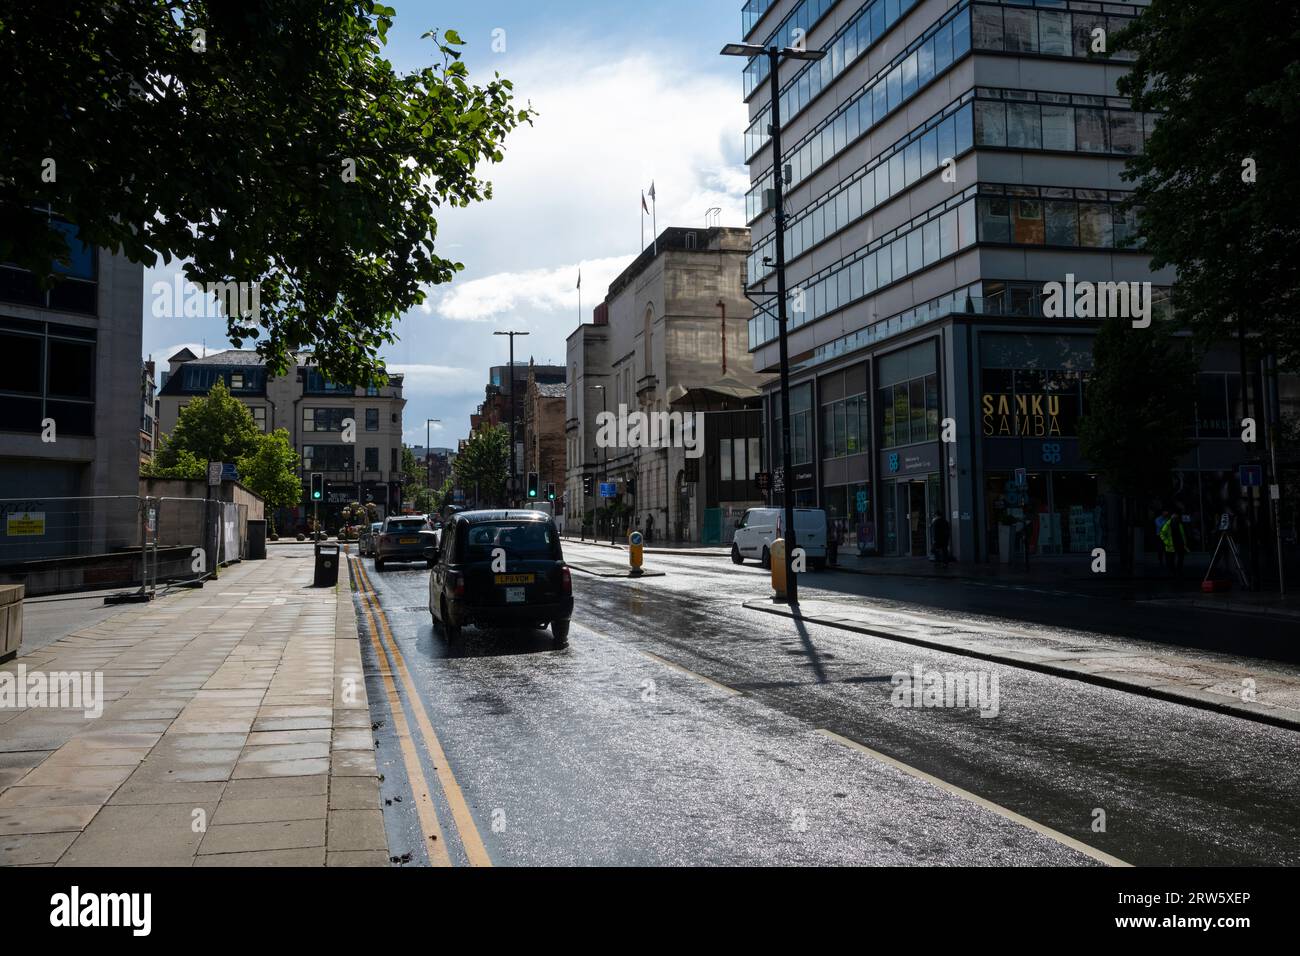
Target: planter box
(11,620)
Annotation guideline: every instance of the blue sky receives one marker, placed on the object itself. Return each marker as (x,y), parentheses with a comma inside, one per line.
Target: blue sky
(628,93)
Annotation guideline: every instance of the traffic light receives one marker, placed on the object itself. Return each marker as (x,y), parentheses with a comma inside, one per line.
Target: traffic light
(550,491)
(588,485)
(532,484)
(317,486)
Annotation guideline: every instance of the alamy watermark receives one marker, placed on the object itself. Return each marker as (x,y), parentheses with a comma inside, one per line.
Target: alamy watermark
(923,689)
(71,690)
(1098,300)
(214,300)
(651,430)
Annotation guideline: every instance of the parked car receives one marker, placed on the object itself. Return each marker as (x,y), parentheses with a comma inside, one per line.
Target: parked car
(468,584)
(402,539)
(762,526)
(366,543)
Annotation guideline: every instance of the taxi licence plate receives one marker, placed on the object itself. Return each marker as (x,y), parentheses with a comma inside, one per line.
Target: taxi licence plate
(514,579)
(408,540)
(514,595)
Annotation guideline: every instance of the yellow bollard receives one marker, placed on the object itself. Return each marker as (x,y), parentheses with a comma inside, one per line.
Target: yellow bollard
(634,552)
(777,555)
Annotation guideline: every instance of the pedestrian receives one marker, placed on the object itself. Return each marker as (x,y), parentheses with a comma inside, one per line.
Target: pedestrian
(1161,520)
(833,543)
(1174,538)
(649,527)
(940,535)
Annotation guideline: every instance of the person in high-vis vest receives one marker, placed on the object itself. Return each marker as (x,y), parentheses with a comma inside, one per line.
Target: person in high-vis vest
(1174,538)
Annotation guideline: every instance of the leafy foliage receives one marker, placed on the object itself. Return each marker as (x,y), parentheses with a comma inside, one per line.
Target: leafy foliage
(1226,78)
(484,463)
(212,427)
(234,148)
(271,470)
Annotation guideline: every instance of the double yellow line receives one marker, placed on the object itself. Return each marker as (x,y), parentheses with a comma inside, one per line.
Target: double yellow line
(462,819)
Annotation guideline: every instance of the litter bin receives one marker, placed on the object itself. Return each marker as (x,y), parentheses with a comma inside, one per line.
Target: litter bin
(327,565)
(257,539)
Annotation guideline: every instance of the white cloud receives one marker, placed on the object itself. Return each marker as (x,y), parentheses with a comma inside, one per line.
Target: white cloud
(548,290)
(439,379)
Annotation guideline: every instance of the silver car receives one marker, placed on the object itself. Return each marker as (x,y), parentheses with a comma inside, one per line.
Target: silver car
(402,539)
(366,540)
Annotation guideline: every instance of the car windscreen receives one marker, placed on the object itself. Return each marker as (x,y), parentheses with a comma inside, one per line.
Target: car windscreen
(522,540)
(405,526)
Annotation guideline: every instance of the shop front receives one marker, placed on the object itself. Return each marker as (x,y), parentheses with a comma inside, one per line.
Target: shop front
(1038,491)
(910,458)
(910,494)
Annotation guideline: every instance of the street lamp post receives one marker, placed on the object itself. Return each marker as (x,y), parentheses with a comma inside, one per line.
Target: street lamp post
(774,55)
(510,411)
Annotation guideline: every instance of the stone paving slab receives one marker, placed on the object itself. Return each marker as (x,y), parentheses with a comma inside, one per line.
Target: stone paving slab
(235,731)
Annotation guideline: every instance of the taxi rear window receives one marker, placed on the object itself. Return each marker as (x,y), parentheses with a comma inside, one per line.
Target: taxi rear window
(520,539)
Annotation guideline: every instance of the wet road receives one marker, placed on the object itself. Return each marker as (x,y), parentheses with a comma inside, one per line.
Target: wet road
(680,728)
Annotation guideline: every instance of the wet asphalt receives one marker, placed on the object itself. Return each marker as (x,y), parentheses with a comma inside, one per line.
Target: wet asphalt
(680,728)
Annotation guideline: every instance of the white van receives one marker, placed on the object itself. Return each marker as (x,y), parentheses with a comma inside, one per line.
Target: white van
(761,526)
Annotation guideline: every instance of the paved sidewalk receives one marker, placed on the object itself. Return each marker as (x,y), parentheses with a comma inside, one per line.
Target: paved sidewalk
(1265,692)
(235,731)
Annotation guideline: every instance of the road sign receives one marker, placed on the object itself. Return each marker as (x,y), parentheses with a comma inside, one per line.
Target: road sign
(608,489)
(215,469)
(28,524)
(778,480)
(1250,476)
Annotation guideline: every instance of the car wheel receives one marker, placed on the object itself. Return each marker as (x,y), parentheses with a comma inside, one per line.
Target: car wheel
(429,565)
(736,556)
(379,564)
(449,630)
(560,632)
(766,560)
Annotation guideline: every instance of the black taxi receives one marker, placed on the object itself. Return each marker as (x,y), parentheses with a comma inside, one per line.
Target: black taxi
(499,569)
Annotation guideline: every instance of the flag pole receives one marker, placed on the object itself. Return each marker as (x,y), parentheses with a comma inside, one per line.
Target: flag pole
(654,217)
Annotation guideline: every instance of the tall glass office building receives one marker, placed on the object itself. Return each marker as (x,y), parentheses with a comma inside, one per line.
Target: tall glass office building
(946,159)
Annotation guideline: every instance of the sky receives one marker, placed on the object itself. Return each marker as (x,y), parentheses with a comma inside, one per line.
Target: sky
(628,94)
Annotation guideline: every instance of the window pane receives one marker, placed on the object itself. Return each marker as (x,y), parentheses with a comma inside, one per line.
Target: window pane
(931,407)
(945,142)
(1054,32)
(909,77)
(930,241)
(1062,223)
(948,233)
(1021,30)
(986,28)
(840,440)
(898,251)
(1125,136)
(1023,125)
(960,34)
(915,256)
(70,372)
(917,400)
(925,63)
(22,364)
(1028,225)
(1058,127)
(754,459)
(943,49)
(990,123)
(995,220)
(1095,225)
(929,151)
(852,432)
(894,84)
(902,433)
(965,224)
(964,128)
(1084,24)
(887,423)
(1090,130)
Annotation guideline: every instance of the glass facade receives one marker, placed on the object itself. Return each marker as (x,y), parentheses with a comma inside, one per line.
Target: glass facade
(49,373)
(948,41)
(1056,216)
(947,134)
(909,412)
(889,259)
(846,427)
(801,427)
(791,30)
(866,28)
(325,419)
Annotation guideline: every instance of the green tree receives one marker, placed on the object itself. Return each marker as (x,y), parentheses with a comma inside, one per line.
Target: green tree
(414,475)
(1139,403)
(268,143)
(484,464)
(1216,188)
(183,464)
(213,427)
(442,497)
(271,470)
